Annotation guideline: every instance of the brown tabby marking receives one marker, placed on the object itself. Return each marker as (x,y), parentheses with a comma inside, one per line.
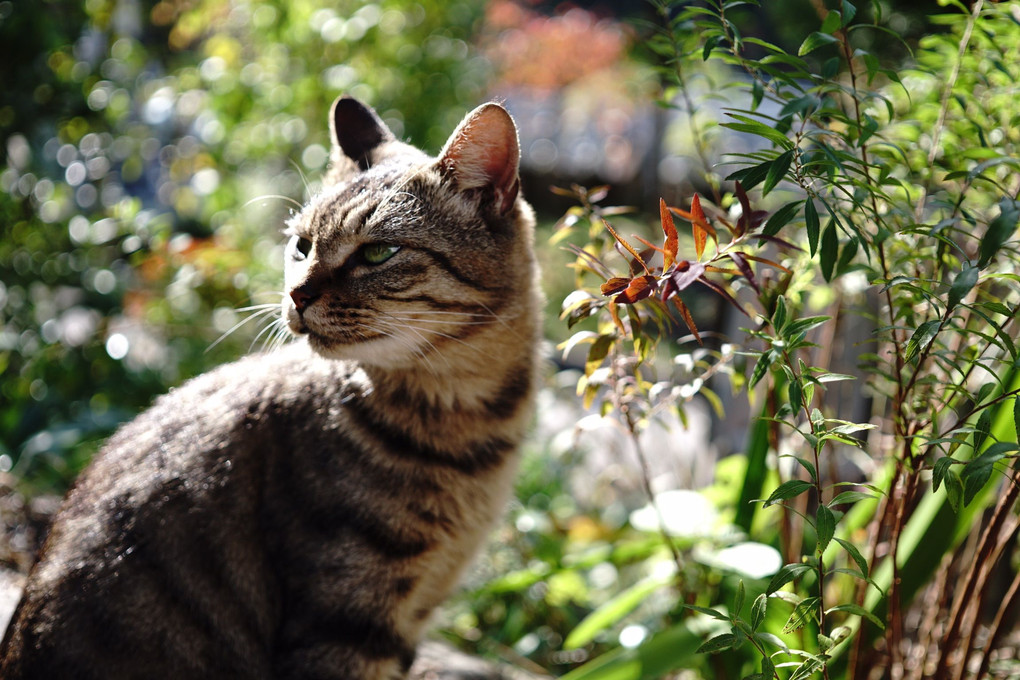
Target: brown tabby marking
(299,514)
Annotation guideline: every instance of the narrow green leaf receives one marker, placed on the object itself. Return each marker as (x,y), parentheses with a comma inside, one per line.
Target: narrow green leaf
(758,610)
(999,231)
(761,368)
(805,612)
(780,218)
(848,497)
(811,224)
(962,284)
(809,667)
(982,428)
(796,394)
(719,643)
(814,41)
(922,337)
(787,490)
(706,611)
(855,554)
(829,250)
(738,600)
(954,490)
(825,527)
(858,611)
(1016,416)
(787,574)
(779,315)
(777,171)
(939,470)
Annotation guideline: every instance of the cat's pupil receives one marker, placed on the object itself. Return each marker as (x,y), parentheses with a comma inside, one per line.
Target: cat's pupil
(302,247)
(377,253)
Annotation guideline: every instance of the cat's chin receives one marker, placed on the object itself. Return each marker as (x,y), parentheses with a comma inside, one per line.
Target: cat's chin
(376,352)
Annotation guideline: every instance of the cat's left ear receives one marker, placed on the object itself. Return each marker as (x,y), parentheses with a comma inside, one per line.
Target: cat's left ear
(356,131)
(483,152)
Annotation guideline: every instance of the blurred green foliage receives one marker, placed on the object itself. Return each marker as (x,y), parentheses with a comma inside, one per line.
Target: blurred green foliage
(151,151)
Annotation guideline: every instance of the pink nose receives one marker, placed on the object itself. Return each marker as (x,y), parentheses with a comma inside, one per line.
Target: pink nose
(302,297)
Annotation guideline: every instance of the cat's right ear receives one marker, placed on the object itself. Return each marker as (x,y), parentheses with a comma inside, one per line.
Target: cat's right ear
(356,131)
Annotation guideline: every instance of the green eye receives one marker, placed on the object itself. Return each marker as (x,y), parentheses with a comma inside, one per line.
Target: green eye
(377,253)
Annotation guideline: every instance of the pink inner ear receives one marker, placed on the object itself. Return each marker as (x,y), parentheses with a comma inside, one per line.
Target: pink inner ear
(483,152)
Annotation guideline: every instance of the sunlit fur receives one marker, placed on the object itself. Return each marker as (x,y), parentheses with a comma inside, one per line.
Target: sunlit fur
(299,513)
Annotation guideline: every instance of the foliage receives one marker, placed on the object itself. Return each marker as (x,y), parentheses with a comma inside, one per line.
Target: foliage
(151,150)
(888,200)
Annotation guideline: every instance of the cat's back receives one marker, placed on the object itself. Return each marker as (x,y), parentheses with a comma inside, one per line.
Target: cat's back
(166,520)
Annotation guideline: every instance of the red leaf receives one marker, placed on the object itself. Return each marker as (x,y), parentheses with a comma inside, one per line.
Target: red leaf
(723,292)
(685,314)
(686,273)
(640,287)
(629,247)
(670,245)
(770,263)
(745,269)
(614,285)
(698,219)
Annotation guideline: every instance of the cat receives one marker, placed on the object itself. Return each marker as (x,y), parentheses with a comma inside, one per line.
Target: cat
(299,513)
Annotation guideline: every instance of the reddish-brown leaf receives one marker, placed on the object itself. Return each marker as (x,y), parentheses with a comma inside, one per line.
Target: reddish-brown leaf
(722,292)
(745,269)
(686,273)
(698,219)
(615,313)
(685,314)
(640,287)
(615,285)
(670,245)
(627,246)
(770,263)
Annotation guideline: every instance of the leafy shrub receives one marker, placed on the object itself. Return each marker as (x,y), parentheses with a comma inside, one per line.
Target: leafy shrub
(878,199)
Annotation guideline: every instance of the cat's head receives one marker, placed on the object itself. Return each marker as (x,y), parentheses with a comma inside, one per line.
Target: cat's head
(402,256)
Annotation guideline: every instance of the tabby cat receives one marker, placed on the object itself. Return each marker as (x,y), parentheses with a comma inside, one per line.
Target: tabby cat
(298,514)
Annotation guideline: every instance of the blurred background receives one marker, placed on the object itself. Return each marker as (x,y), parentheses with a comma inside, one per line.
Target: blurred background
(151,152)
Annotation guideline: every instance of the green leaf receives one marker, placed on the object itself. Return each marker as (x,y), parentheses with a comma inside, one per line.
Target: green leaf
(787,490)
(1016,416)
(779,315)
(982,428)
(756,127)
(858,611)
(849,12)
(939,470)
(777,171)
(787,574)
(612,611)
(809,667)
(805,612)
(796,394)
(825,527)
(999,231)
(706,611)
(977,472)
(758,610)
(829,250)
(962,284)
(761,368)
(719,643)
(832,23)
(781,218)
(811,224)
(922,337)
(855,554)
(848,497)
(954,490)
(814,41)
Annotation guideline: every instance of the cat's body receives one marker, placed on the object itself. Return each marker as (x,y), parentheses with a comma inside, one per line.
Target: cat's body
(297,514)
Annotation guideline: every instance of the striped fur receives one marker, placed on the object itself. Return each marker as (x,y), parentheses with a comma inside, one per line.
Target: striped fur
(299,514)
